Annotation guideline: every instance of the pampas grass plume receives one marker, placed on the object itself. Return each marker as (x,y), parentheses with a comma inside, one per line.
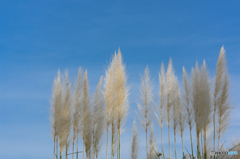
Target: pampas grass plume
(98,118)
(135,142)
(161,110)
(186,103)
(56,105)
(221,68)
(145,105)
(77,97)
(86,118)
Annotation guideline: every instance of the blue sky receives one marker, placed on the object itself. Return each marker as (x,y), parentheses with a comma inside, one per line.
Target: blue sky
(39,37)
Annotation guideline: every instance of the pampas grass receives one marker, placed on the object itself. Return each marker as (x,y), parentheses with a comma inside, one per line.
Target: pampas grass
(170,90)
(145,105)
(98,119)
(111,101)
(201,90)
(135,142)
(152,144)
(221,96)
(205,103)
(162,108)
(116,95)
(56,105)
(109,108)
(65,115)
(198,110)
(78,92)
(86,118)
(176,110)
(221,67)
(109,95)
(223,108)
(121,95)
(186,103)
(181,118)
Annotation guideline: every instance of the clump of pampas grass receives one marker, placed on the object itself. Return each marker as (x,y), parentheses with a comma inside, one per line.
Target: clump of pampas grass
(201,103)
(116,95)
(198,110)
(109,108)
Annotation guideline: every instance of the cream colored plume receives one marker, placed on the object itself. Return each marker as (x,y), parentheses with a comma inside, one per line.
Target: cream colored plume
(205,102)
(146,103)
(135,142)
(65,114)
(86,124)
(162,107)
(160,114)
(223,109)
(152,144)
(220,73)
(187,105)
(98,118)
(56,106)
(77,97)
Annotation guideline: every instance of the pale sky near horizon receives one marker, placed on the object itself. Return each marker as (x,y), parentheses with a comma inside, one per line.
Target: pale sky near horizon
(39,37)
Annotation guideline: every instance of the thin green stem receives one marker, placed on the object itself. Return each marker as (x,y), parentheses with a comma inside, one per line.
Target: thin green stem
(182,146)
(83,148)
(175,146)
(107,145)
(197,153)
(146,145)
(169,142)
(119,148)
(191,140)
(57,148)
(112,156)
(77,149)
(54,155)
(214,131)
(161,140)
(73,150)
